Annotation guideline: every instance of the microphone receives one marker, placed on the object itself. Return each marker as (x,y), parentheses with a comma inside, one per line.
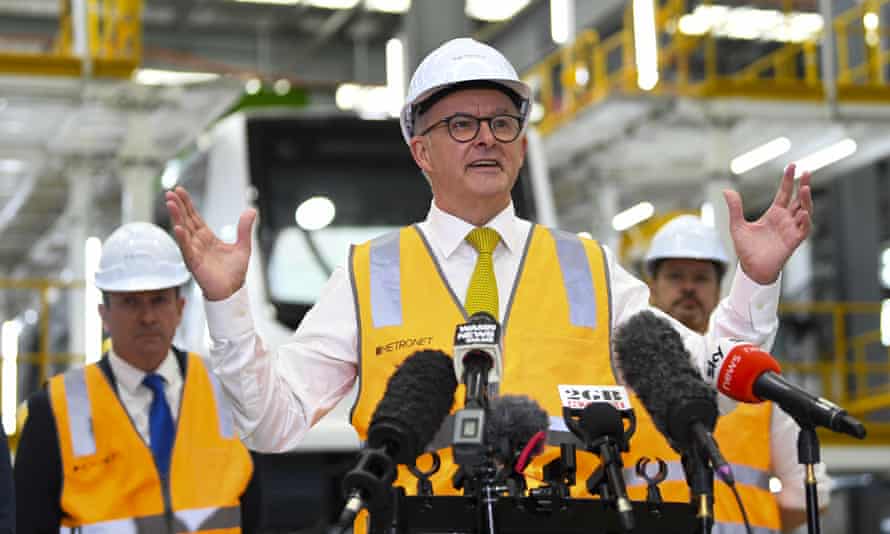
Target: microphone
(744,372)
(418,396)
(477,352)
(656,365)
(601,429)
(516,430)
(477,363)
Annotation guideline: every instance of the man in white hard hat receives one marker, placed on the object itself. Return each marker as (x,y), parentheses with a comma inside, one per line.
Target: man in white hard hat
(464,122)
(97,450)
(685,265)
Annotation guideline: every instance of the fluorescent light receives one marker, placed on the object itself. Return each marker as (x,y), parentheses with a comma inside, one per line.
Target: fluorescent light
(11,166)
(171,174)
(494,11)
(9,344)
(172,77)
(645,46)
(274,2)
(92,297)
(632,216)
(388,6)
(331,4)
(315,213)
(760,155)
(826,156)
(347,95)
(586,235)
(706,214)
(746,23)
(885,324)
(562,20)
(395,75)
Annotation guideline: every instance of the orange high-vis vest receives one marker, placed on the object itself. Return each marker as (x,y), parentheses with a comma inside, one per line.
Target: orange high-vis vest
(110,482)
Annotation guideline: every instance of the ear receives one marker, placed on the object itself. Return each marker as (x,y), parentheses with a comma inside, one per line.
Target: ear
(103,313)
(420,151)
(180,305)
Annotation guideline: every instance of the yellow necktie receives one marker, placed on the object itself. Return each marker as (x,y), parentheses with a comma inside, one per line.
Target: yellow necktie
(482,294)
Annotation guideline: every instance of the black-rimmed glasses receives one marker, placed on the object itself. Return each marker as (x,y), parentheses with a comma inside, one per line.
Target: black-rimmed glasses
(464,128)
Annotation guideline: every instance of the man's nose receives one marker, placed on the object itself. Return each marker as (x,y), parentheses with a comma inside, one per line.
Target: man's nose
(485,135)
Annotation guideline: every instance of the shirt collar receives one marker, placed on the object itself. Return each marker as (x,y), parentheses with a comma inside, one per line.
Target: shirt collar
(130,377)
(450,231)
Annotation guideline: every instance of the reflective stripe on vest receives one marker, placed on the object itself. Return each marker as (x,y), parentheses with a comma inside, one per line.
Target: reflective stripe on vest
(576,278)
(744,474)
(195,520)
(386,288)
(80,418)
(80,414)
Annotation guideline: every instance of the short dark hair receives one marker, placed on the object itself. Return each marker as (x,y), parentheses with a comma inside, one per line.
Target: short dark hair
(431,100)
(719,268)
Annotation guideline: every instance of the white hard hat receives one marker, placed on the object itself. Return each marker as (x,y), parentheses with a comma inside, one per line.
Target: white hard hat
(140,256)
(455,62)
(686,237)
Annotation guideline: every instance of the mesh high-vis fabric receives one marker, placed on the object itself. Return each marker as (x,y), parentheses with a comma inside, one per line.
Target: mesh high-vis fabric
(482,293)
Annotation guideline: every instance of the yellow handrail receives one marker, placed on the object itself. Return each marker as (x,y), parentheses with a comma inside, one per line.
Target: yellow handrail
(790,72)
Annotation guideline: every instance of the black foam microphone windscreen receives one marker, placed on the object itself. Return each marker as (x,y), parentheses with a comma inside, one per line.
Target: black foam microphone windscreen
(511,422)
(657,367)
(418,397)
(600,419)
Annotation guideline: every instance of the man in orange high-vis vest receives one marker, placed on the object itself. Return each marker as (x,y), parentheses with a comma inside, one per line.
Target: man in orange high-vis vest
(143,440)
(685,265)
(558,296)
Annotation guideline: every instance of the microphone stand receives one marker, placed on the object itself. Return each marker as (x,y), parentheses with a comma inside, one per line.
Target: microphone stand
(700,476)
(808,455)
(476,472)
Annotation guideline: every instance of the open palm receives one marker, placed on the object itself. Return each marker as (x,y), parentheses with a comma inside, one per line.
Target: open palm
(218,267)
(763,246)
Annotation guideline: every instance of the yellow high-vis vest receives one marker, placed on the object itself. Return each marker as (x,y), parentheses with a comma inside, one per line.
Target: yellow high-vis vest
(110,482)
(556,330)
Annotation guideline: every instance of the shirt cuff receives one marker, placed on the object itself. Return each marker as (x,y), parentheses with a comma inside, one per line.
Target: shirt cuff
(755,301)
(229,318)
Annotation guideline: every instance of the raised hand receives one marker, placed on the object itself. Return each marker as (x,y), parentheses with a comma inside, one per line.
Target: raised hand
(763,246)
(218,267)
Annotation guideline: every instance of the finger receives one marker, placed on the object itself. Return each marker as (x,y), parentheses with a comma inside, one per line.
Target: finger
(734,205)
(174,206)
(245,225)
(191,214)
(786,187)
(805,193)
(804,223)
(183,238)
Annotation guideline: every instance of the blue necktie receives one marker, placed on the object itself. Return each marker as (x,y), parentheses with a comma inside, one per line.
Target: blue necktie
(160,423)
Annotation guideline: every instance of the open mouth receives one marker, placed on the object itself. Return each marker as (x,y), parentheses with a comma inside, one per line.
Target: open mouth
(485,164)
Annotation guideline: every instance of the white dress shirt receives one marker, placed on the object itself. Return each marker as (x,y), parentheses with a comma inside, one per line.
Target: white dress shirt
(277,397)
(136,396)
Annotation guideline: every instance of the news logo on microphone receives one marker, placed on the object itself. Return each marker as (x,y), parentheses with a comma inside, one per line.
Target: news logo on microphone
(578,397)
